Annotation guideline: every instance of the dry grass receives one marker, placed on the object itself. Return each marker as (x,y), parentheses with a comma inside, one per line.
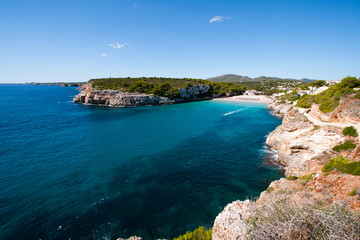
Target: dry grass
(283,219)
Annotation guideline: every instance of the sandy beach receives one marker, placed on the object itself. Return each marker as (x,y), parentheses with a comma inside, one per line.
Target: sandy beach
(247,98)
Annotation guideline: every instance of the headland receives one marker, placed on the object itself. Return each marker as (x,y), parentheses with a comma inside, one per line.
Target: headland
(318,143)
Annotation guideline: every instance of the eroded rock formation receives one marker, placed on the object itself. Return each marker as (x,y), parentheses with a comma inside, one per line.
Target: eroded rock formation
(125,99)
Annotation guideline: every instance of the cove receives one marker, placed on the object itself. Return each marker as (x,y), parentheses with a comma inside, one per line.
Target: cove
(90,172)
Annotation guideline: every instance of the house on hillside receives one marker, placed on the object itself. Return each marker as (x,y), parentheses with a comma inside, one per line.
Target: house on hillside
(253,92)
(331,82)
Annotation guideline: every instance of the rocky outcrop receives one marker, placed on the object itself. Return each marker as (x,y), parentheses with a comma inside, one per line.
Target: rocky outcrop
(303,147)
(131,238)
(280,109)
(298,141)
(229,223)
(323,188)
(115,98)
(125,99)
(194,91)
(329,188)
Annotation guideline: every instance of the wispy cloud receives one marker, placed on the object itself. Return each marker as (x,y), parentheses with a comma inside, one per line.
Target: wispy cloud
(137,5)
(117,45)
(218,19)
(103,54)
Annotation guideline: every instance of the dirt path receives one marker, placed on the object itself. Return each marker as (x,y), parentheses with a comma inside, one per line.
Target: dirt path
(321,123)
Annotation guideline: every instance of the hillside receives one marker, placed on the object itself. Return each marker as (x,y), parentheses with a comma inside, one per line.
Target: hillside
(329,100)
(239,78)
(153,91)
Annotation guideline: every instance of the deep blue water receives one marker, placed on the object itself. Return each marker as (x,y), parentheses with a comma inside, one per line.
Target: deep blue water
(87,172)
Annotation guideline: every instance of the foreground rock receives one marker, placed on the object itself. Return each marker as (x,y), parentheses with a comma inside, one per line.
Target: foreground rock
(131,238)
(229,223)
(124,99)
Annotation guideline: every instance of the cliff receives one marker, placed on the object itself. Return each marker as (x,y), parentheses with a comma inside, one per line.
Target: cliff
(126,99)
(304,142)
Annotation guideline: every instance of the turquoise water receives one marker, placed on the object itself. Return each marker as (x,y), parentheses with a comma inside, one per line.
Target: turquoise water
(90,172)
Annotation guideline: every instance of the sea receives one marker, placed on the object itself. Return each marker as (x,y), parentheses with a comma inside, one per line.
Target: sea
(73,171)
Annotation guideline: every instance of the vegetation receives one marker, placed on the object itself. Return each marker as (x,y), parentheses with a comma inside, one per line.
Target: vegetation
(352,193)
(345,146)
(284,219)
(318,83)
(267,85)
(165,87)
(342,164)
(357,95)
(126,83)
(317,127)
(198,234)
(223,88)
(292,97)
(350,131)
(292,178)
(307,177)
(270,189)
(329,99)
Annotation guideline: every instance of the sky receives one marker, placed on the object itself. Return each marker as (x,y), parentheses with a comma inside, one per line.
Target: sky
(76,40)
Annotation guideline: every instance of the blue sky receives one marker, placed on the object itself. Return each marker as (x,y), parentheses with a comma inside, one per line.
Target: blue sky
(63,40)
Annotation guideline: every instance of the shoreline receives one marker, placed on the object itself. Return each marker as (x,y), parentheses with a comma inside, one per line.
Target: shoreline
(247,98)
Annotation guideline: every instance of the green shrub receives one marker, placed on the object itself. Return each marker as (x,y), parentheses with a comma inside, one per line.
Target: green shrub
(198,234)
(292,178)
(307,177)
(270,189)
(352,193)
(357,95)
(342,164)
(329,105)
(350,131)
(294,97)
(305,101)
(335,163)
(352,168)
(345,146)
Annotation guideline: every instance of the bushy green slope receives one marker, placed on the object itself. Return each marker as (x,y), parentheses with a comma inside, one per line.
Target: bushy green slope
(329,99)
(166,87)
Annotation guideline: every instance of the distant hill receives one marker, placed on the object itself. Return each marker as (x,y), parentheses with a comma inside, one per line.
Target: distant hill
(239,78)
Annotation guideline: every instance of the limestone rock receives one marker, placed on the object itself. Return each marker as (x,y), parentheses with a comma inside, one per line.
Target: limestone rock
(229,223)
(298,140)
(194,91)
(280,109)
(131,238)
(125,99)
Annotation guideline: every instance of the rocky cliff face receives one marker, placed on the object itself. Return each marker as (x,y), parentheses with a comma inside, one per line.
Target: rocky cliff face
(304,148)
(125,99)
(298,141)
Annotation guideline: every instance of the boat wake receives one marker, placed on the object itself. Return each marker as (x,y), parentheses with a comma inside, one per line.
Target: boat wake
(229,113)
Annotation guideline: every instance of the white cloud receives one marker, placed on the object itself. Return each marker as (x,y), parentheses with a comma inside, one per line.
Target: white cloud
(103,54)
(117,45)
(137,5)
(218,19)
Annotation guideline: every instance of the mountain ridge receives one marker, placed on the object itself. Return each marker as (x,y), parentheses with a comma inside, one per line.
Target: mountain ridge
(240,78)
